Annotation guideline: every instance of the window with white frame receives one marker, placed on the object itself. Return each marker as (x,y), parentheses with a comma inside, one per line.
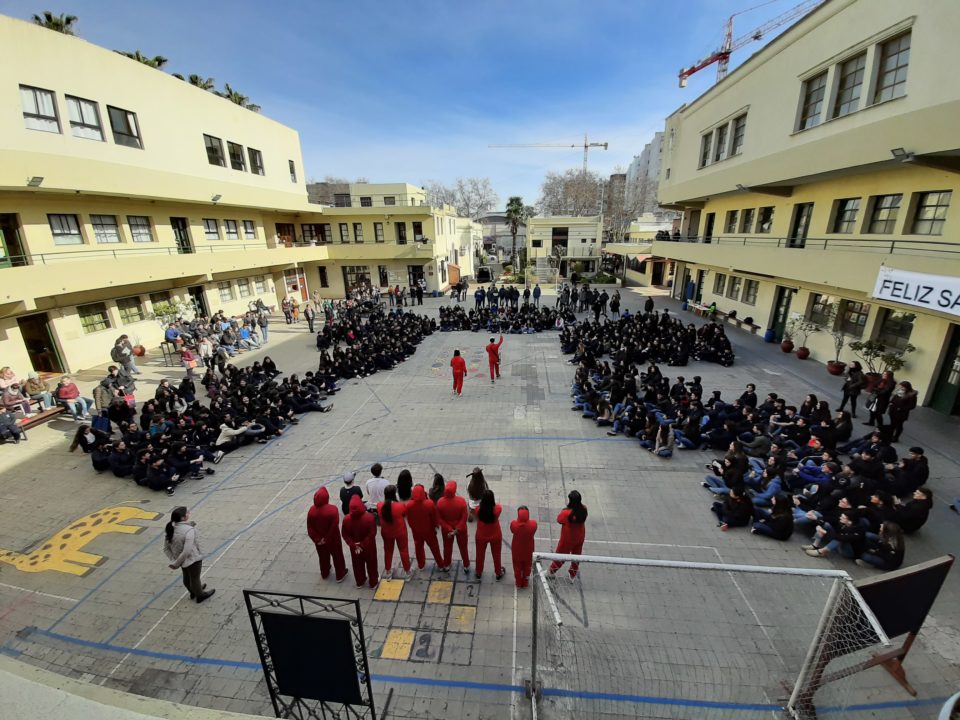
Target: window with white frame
(389,200)
(39,109)
(105,230)
(126,130)
(260,284)
(814,90)
(214,147)
(237,161)
(846,218)
(256,161)
(243,285)
(211,229)
(378,232)
(720,144)
(326,233)
(230,229)
(746,220)
(131,310)
(366,201)
(84,118)
(731,225)
(344,233)
(822,310)
(892,74)
(310,234)
(719,283)
(93,317)
(850,85)
(249,230)
(883,218)
(750,290)
(140,228)
(358,232)
(65,229)
(931,212)
(765,220)
(705,145)
(896,328)
(417,231)
(733,287)
(225,289)
(739,133)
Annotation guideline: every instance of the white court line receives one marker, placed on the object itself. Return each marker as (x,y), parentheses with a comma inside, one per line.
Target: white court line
(513,676)
(340,429)
(37,592)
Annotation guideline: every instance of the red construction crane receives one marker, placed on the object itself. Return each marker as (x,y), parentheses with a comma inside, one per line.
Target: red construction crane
(730,45)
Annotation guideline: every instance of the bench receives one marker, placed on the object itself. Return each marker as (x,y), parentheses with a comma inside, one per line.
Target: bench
(171,355)
(743,324)
(41,417)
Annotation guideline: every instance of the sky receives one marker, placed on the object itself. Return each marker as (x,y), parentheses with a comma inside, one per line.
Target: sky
(416,91)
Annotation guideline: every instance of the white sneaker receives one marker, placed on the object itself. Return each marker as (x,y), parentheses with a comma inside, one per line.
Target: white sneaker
(387,575)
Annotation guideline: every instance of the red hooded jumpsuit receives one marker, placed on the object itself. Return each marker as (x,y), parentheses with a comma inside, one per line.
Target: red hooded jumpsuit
(452,515)
(459,366)
(489,533)
(572,535)
(422,517)
(394,532)
(523,529)
(493,357)
(360,534)
(323,527)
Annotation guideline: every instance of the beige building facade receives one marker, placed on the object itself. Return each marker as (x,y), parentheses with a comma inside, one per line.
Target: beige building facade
(572,242)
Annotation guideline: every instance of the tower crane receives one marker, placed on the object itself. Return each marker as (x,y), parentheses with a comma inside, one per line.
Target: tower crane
(586,147)
(730,45)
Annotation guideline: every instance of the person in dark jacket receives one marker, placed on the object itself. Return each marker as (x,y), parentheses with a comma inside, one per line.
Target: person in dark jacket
(735,510)
(852,386)
(912,515)
(348,491)
(880,399)
(847,538)
(360,534)
(323,527)
(908,474)
(902,403)
(436,490)
(776,523)
(886,551)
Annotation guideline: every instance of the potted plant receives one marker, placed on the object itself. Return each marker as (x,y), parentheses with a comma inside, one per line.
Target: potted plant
(877,359)
(839,337)
(787,343)
(803,329)
(138,349)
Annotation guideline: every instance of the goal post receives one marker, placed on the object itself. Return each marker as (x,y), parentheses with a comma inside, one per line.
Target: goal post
(693,639)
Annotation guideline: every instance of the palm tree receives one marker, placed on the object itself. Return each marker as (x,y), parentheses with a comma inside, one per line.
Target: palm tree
(157,61)
(58,23)
(238,98)
(516,215)
(202,82)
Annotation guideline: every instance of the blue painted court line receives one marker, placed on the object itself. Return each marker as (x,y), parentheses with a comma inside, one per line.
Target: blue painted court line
(653,700)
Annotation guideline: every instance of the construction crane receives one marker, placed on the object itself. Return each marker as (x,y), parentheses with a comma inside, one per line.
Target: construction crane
(730,45)
(586,147)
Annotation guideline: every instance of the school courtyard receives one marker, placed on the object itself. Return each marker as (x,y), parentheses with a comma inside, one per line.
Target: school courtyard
(106,610)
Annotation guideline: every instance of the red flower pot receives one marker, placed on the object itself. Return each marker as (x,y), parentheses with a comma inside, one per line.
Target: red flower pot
(834,367)
(787,346)
(803,353)
(139,350)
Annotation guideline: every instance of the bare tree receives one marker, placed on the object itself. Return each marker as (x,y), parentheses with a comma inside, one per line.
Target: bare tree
(438,194)
(573,192)
(472,197)
(325,191)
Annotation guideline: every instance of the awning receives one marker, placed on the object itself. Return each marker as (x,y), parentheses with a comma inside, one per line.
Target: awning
(642,258)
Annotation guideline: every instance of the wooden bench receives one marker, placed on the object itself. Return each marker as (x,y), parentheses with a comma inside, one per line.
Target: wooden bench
(743,324)
(25,423)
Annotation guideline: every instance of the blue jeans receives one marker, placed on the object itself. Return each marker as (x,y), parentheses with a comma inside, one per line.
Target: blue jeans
(716,485)
(78,407)
(265,332)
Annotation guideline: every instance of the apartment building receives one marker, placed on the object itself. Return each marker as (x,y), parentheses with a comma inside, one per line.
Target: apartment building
(123,187)
(573,242)
(817,182)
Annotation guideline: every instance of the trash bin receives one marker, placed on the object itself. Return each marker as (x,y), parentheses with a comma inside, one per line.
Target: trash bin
(436,293)
(769,336)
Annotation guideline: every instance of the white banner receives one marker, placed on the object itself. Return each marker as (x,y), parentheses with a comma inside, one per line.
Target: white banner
(934,292)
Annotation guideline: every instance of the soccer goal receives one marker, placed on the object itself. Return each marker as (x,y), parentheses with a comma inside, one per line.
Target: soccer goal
(671,639)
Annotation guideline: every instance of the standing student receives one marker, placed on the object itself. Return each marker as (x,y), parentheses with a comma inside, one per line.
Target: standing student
(348,491)
(393,531)
(524,529)
(536,295)
(422,518)
(375,487)
(459,366)
(489,533)
(452,516)
(360,534)
(323,527)
(311,315)
(493,357)
(573,520)
(475,490)
(182,546)
(852,386)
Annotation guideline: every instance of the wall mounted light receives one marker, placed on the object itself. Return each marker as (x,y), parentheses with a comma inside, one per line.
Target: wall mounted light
(215,199)
(35,181)
(898,153)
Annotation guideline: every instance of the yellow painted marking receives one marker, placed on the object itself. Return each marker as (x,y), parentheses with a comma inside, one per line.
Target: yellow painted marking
(397,645)
(389,590)
(461,618)
(62,552)
(440,592)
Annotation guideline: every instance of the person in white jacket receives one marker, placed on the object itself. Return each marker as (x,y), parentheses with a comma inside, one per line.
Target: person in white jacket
(182,546)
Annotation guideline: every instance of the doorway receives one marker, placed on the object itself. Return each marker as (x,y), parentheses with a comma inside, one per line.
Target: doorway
(802,212)
(694,225)
(657,278)
(699,290)
(781,312)
(708,227)
(199,300)
(295,282)
(946,396)
(285,232)
(414,275)
(39,342)
(181,235)
(11,249)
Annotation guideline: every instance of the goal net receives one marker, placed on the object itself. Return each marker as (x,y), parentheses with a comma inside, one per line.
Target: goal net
(672,639)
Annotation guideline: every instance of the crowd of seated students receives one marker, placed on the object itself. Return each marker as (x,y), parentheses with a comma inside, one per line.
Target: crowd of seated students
(525,319)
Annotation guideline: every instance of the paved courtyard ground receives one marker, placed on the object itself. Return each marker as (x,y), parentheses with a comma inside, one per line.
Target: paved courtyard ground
(112,613)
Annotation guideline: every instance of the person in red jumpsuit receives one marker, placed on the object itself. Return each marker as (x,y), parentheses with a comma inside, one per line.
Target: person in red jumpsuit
(524,529)
(323,527)
(452,516)
(459,366)
(573,518)
(493,357)
(360,534)
(422,518)
(393,530)
(489,533)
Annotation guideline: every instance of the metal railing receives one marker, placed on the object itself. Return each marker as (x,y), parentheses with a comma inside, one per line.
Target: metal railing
(837,244)
(120,253)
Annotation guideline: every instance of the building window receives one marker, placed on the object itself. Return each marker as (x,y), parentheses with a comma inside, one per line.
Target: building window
(719,283)
(892,76)
(260,284)
(705,145)
(131,310)
(822,310)
(293,170)
(226,291)
(356,276)
(401,229)
(105,229)
(418,231)
(326,233)
(668,174)
(84,118)
(853,317)
(256,161)
(243,285)
(389,200)
(739,131)
(39,109)
(896,328)
(140,228)
(378,232)
(126,130)
(341,200)
(93,317)
(731,224)
(65,229)
(733,287)
(344,233)
(237,161)
(214,150)
(157,298)
(883,219)
(746,221)
(249,230)
(931,212)
(358,232)
(310,235)
(322,272)
(366,202)
(720,144)
(848,89)
(846,219)
(230,229)
(211,229)
(537,242)
(765,220)
(813,92)
(750,290)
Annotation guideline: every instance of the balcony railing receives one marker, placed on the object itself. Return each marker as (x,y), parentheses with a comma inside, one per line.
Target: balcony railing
(119,253)
(930,248)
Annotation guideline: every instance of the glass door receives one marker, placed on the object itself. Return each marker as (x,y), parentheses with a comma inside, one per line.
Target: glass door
(802,213)
(781,312)
(946,397)
(181,235)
